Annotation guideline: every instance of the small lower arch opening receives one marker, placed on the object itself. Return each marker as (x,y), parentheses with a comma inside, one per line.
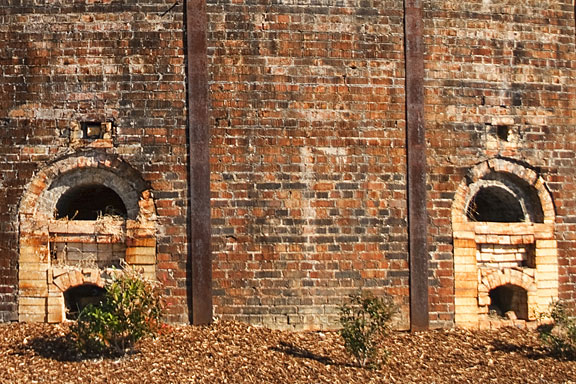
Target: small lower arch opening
(77,298)
(509,298)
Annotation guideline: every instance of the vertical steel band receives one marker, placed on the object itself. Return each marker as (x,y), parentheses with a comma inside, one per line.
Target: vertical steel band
(416,162)
(200,263)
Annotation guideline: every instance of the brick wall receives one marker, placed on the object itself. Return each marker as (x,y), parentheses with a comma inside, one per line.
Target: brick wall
(499,83)
(308,134)
(308,169)
(64,62)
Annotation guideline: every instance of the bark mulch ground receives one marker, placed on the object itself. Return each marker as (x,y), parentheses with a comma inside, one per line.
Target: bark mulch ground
(230,352)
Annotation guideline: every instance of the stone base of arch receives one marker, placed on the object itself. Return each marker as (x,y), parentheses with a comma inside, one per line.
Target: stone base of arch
(43,280)
(474,279)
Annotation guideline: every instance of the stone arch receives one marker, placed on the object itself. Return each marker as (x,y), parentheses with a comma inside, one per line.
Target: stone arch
(511,177)
(46,268)
(66,278)
(493,279)
(100,168)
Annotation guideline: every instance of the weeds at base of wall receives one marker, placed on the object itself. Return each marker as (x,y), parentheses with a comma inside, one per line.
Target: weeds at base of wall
(365,320)
(560,335)
(131,310)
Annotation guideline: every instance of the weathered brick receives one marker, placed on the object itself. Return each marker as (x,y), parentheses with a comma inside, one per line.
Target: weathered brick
(308,157)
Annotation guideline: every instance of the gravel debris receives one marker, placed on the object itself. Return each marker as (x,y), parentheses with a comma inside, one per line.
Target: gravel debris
(232,352)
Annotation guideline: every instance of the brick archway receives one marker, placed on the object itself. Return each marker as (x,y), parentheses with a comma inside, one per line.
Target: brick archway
(492,254)
(46,267)
(501,166)
(493,278)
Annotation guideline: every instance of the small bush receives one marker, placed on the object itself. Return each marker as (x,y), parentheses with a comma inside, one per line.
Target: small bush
(560,335)
(131,309)
(365,320)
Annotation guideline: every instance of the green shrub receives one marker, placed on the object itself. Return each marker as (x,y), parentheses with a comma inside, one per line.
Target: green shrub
(560,335)
(131,309)
(365,320)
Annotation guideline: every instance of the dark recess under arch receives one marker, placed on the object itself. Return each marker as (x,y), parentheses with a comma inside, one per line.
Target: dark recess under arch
(494,204)
(510,298)
(77,298)
(88,201)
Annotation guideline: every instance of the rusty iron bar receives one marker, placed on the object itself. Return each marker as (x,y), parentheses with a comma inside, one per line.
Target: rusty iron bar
(416,163)
(200,258)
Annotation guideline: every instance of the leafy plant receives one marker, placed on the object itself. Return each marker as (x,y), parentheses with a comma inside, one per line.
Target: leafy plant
(560,335)
(131,309)
(365,320)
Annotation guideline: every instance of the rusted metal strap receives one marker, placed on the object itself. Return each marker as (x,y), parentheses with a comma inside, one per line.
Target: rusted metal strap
(416,161)
(199,161)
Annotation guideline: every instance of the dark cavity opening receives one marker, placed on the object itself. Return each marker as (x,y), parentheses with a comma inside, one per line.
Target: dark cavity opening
(509,298)
(495,204)
(503,132)
(77,298)
(93,130)
(88,202)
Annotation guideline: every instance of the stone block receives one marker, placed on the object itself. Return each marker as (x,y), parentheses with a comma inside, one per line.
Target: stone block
(29,254)
(484,300)
(464,243)
(141,251)
(33,287)
(37,275)
(465,265)
(35,301)
(27,266)
(82,227)
(62,282)
(466,304)
(465,252)
(545,285)
(549,244)
(466,318)
(32,317)
(465,279)
(464,235)
(544,269)
(58,226)
(148,271)
(141,242)
(543,231)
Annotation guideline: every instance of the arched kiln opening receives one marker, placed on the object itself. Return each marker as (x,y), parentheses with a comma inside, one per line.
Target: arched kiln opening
(503,198)
(509,298)
(496,205)
(505,251)
(77,298)
(79,217)
(88,202)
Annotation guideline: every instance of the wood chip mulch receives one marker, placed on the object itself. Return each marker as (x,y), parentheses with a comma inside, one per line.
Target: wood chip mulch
(231,352)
